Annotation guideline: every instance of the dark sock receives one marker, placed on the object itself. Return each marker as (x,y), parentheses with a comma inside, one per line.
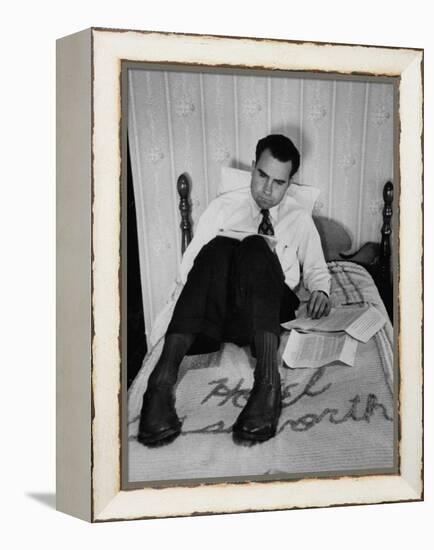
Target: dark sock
(174,349)
(266,357)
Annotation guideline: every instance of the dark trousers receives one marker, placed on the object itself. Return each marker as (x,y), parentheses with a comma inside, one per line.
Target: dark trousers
(234,289)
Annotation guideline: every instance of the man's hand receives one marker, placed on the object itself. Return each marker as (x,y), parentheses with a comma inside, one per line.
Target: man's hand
(318,304)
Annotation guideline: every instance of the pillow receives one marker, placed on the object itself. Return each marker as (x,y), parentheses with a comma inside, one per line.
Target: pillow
(233,179)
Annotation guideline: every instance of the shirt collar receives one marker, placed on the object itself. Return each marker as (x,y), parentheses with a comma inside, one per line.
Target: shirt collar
(256,211)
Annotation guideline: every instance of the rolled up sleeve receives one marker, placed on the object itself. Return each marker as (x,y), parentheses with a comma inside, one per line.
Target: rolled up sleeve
(316,275)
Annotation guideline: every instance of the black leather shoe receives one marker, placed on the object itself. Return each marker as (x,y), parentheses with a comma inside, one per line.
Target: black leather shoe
(158,419)
(258,420)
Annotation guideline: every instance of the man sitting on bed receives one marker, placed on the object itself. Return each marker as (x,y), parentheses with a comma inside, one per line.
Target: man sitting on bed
(240,291)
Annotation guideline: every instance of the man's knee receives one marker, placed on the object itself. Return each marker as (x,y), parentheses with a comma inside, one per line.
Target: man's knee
(254,248)
(256,258)
(217,249)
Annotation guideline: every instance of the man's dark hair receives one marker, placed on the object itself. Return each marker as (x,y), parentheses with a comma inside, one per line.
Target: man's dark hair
(281,148)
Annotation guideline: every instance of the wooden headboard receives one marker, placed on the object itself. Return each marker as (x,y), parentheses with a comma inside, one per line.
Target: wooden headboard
(335,239)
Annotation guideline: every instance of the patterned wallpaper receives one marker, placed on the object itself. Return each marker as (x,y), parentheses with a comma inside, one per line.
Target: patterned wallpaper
(196,122)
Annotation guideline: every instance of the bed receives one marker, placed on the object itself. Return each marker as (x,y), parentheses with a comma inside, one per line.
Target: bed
(335,419)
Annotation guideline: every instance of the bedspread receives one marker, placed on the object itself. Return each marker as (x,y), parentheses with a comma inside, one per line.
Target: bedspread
(334,419)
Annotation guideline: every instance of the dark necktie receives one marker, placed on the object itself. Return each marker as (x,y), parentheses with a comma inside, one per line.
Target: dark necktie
(266,227)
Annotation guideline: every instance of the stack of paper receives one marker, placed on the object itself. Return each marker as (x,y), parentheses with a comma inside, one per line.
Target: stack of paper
(359,322)
(316,350)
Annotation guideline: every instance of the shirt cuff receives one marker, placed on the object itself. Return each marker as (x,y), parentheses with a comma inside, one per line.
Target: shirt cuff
(323,289)
(324,292)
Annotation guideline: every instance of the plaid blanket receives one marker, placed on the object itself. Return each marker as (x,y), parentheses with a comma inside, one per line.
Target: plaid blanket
(335,419)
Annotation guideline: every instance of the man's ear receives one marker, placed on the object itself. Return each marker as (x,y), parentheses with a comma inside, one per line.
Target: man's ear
(289,183)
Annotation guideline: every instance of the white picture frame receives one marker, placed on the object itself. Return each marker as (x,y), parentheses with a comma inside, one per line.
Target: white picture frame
(89,167)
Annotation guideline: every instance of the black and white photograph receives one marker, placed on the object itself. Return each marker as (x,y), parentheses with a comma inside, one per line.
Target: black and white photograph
(216,236)
(258,266)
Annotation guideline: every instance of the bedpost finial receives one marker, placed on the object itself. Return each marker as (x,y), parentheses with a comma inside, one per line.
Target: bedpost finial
(183,186)
(388,193)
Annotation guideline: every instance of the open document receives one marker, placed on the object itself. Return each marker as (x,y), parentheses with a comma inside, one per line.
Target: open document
(359,322)
(311,351)
(241,234)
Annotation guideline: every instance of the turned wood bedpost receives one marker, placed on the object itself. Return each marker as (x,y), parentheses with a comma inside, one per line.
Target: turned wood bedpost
(386,232)
(183,186)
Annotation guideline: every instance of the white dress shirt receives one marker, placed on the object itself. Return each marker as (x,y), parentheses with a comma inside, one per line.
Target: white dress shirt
(298,248)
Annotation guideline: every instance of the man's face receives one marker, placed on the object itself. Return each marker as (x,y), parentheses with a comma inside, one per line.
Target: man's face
(270,180)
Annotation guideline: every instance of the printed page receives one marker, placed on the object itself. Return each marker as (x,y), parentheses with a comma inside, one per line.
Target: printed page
(338,319)
(367,325)
(349,350)
(316,350)
(241,234)
(359,322)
